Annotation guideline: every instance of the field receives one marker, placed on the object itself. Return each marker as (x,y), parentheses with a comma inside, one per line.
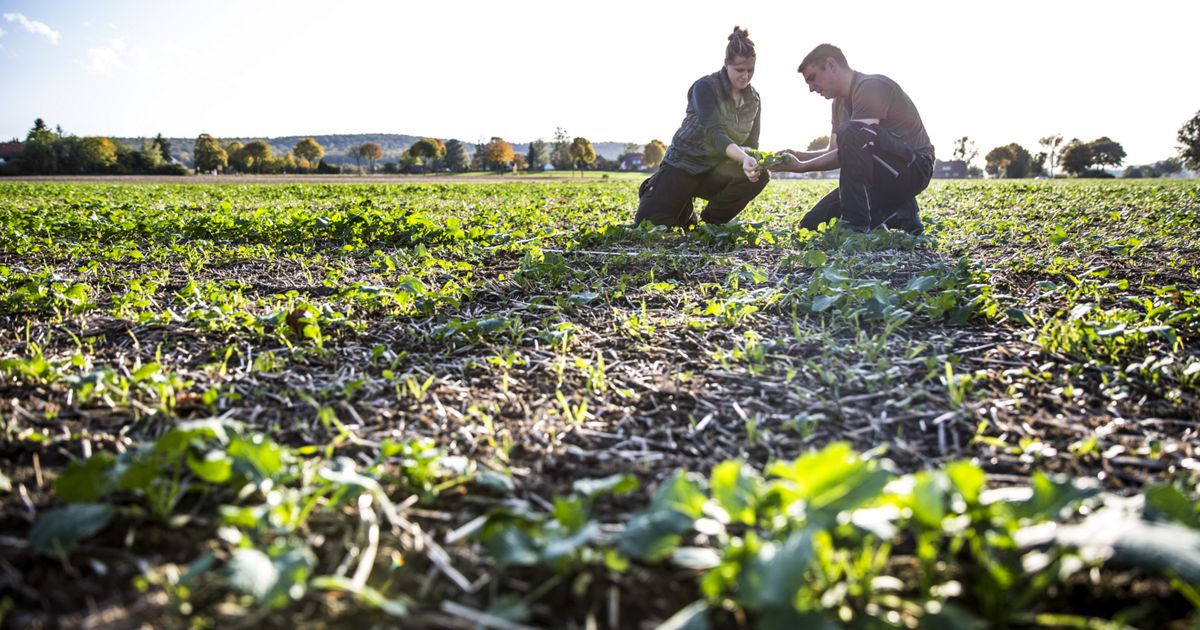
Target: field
(498,405)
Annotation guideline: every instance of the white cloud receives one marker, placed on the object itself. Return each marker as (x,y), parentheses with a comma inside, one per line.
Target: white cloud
(33,26)
(106,60)
(116,56)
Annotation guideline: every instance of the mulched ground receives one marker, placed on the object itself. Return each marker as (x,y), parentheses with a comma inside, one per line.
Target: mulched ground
(667,402)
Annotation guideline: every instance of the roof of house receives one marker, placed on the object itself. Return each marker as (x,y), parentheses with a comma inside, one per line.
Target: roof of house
(9,150)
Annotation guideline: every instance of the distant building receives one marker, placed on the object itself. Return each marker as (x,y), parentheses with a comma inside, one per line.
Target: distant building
(954,169)
(10,151)
(633,162)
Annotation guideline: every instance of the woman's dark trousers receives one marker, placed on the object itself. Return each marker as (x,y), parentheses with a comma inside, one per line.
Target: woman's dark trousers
(665,198)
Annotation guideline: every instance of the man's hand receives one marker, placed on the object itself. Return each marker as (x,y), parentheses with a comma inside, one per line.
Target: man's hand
(789,163)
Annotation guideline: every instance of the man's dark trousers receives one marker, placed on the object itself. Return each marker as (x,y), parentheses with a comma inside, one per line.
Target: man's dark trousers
(665,198)
(880,179)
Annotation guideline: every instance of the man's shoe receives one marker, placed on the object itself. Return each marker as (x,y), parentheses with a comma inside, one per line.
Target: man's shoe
(905,217)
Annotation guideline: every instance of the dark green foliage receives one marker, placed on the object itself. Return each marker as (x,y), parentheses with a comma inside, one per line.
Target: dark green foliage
(1010,161)
(1189,140)
(1078,157)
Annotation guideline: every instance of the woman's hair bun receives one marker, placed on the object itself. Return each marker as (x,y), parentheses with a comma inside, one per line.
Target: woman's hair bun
(739,45)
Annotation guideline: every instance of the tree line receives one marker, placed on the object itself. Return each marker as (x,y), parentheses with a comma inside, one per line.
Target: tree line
(49,151)
(426,155)
(52,152)
(1077,158)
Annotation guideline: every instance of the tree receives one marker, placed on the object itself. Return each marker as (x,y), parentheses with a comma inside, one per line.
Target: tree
(1051,143)
(582,152)
(208,154)
(456,158)
(1161,168)
(237,157)
(1037,167)
(818,143)
(519,162)
(256,154)
(536,157)
(1009,161)
(164,147)
(1079,158)
(479,157)
(96,154)
(150,158)
(356,153)
(1107,152)
(41,149)
(498,154)
(1189,137)
(560,155)
(654,153)
(1076,157)
(997,160)
(427,149)
(965,150)
(310,150)
(371,152)
(1169,166)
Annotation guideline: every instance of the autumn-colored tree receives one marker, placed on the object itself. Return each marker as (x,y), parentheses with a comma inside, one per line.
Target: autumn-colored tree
(256,154)
(582,152)
(237,156)
(208,154)
(654,153)
(818,143)
(309,150)
(429,150)
(97,154)
(498,154)
(371,152)
(519,162)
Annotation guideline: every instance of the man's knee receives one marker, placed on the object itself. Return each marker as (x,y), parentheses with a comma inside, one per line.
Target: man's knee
(855,137)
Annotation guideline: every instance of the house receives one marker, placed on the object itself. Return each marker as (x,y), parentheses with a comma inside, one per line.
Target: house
(954,169)
(632,162)
(11,151)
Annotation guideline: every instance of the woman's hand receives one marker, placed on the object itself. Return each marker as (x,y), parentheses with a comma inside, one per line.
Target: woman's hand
(750,168)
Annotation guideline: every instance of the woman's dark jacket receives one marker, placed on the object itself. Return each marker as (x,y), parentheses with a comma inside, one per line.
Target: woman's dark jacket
(713,122)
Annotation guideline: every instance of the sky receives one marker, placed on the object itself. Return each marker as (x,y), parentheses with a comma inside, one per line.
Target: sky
(614,71)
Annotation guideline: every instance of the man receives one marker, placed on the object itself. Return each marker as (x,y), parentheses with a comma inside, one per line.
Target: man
(879,142)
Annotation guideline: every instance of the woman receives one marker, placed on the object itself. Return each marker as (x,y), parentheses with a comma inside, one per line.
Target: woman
(707,157)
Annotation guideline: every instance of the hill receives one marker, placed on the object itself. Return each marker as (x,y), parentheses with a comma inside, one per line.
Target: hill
(337,146)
